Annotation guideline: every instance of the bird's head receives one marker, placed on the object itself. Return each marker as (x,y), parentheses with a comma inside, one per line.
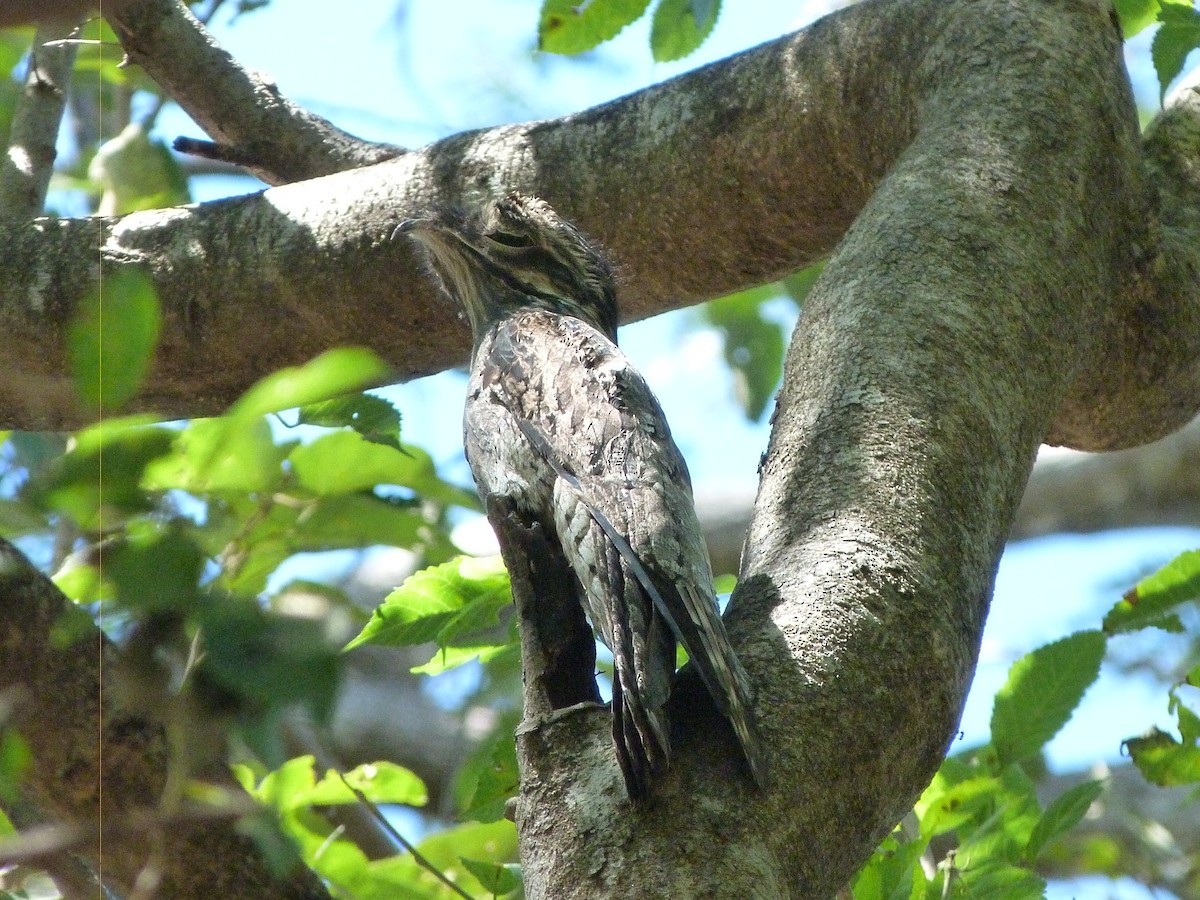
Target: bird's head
(513,254)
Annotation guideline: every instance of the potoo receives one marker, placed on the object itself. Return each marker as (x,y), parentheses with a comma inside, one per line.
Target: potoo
(558,422)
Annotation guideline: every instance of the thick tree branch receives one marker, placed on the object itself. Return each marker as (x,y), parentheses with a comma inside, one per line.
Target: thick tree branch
(256,126)
(755,165)
(956,321)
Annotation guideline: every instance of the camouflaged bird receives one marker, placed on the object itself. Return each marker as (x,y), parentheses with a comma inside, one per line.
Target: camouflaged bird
(559,422)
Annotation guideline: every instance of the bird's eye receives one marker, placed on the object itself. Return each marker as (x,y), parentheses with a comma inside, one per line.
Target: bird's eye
(511,240)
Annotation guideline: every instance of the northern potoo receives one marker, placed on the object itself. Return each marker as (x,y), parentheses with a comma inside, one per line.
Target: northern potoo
(559,422)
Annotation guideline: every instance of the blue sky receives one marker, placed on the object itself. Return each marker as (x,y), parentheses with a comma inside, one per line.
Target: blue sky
(411,72)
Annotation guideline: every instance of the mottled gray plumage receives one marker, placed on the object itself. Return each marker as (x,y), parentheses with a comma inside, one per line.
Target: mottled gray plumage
(559,422)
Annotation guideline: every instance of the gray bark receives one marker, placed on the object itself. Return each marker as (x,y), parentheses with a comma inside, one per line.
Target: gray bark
(1014,264)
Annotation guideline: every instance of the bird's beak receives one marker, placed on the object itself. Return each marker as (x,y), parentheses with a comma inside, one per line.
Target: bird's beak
(408,226)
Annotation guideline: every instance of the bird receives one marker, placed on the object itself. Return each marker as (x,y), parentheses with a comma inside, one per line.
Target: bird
(559,423)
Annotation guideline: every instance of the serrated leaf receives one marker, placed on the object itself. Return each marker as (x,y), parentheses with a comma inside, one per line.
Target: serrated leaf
(1136,15)
(374,418)
(1178,35)
(1163,760)
(1063,814)
(111,339)
(419,610)
(569,27)
(1042,690)
(1151,601)
(681,26)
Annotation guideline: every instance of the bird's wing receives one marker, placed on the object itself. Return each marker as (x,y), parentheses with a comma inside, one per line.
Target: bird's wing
(638,549)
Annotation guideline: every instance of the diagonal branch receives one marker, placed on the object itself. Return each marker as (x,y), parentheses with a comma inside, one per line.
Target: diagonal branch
(253,124)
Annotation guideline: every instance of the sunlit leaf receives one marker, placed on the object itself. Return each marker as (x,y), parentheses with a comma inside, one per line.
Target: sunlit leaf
(681,26)
(1152,601)
(1042,690)
(569,27)
(420,609)
(1178,36)
(1136,15)
(332,373)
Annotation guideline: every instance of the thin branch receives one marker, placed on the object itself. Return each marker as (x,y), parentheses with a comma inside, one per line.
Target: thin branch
(241,111)
(25,170)
(402,840)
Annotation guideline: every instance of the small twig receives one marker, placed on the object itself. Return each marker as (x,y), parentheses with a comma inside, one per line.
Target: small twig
(401,840)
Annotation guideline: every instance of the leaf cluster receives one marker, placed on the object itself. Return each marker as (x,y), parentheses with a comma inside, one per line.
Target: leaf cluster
(979,830)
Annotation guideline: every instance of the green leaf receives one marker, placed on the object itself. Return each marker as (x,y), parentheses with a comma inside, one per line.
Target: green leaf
(332,373)
(98,482)
(373,417)
(499,878)
(268,661)
(212,455)
(1061,816)
(754,346)
(15,760)
(891,872)
(496,781)
(1163,760)
(386,782)
(111,340)
(154,569)
(570,27)
(345,462)
(1042,691)
(421,609)
(680,26)
(357,520)
(1136,15)
(447,658)
(1178,36)
(1003,883)
(1150,602)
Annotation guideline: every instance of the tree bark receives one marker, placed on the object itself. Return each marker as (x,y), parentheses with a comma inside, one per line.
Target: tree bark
(99,769)
(1013,265)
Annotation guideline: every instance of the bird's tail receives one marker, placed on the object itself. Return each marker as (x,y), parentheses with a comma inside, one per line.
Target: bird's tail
(702,633)
(644,667)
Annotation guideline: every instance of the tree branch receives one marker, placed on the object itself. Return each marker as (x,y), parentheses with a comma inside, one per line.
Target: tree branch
(26,169)
(256,126)
(955,323)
